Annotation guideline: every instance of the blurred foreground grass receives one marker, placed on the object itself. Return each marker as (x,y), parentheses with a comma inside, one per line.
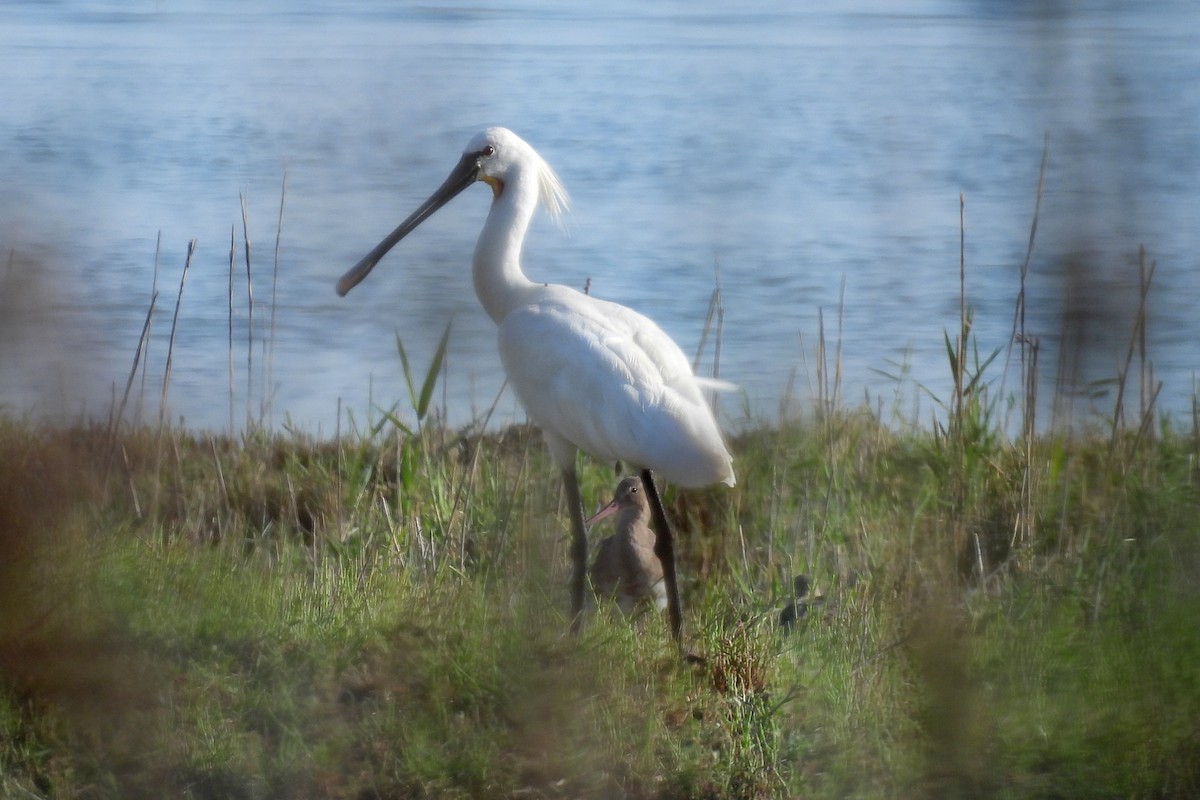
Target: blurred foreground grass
(384,616)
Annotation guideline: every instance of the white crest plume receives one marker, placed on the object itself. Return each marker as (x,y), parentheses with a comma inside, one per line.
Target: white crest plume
(551,193)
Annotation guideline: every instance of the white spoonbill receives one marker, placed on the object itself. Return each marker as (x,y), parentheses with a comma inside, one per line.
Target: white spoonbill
(593,375)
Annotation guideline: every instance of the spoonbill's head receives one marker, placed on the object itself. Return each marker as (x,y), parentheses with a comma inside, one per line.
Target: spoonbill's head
(495,156)
(502,153)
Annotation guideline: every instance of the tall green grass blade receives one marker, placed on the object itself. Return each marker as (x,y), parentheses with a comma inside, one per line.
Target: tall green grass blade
(420,400)
(951,353)
(408,379)
(435,367)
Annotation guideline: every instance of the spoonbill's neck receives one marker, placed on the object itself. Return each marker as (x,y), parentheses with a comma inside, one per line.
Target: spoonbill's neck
(499,281)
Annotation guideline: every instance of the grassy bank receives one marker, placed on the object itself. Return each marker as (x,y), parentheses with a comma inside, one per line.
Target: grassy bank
(384,616)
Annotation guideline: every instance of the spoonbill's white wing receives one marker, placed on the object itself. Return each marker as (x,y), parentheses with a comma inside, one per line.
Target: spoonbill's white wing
(612,383)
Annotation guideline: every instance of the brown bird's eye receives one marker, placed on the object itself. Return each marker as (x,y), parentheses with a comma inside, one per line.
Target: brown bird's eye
(488,150)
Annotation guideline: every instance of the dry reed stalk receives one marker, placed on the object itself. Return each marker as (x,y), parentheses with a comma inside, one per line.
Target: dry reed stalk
(1023,531)
(249,316)
(294,507)
(339,497)
(1149,388)
(827,393)
(787,399)
(1137,340)
(133,492)
(1019,334)
(115,422)
(149,332)
(269,344)
(957,428)
(1146,426)
(232,258)
(166,387)
(717,346)
(804,365)
(462,500)
(964,325)
(713,318)
(829,389)
(1145,276)
(212,443)
(821,366)
(115,419)
(1066,374)
(137,360)
(837,368)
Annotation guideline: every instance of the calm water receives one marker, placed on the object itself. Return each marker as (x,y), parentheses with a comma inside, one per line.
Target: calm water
(788,147)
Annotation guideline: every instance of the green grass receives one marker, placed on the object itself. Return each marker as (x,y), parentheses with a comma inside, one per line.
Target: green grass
(384,616)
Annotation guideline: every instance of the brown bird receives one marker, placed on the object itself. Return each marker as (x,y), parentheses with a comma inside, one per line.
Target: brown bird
(626,568)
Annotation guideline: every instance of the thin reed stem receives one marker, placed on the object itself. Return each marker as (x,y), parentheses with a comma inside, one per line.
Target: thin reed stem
(958,426)
(269,380)
(1137,340)
(115,422)
(1145,277)
(720,298)
(714,319)
(1019,335)
(232,259)
(150,330)
(249,317)
(137,360)
(962,313)
(166,387)
(837,368)
(822,368)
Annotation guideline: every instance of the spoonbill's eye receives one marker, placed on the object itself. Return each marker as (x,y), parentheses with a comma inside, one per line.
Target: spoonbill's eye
(488,150)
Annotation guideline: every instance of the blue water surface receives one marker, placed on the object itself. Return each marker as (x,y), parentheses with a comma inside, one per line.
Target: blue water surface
(810,160)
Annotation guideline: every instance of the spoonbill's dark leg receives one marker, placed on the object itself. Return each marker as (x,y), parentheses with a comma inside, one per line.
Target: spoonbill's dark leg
(578,548)
(664,548)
